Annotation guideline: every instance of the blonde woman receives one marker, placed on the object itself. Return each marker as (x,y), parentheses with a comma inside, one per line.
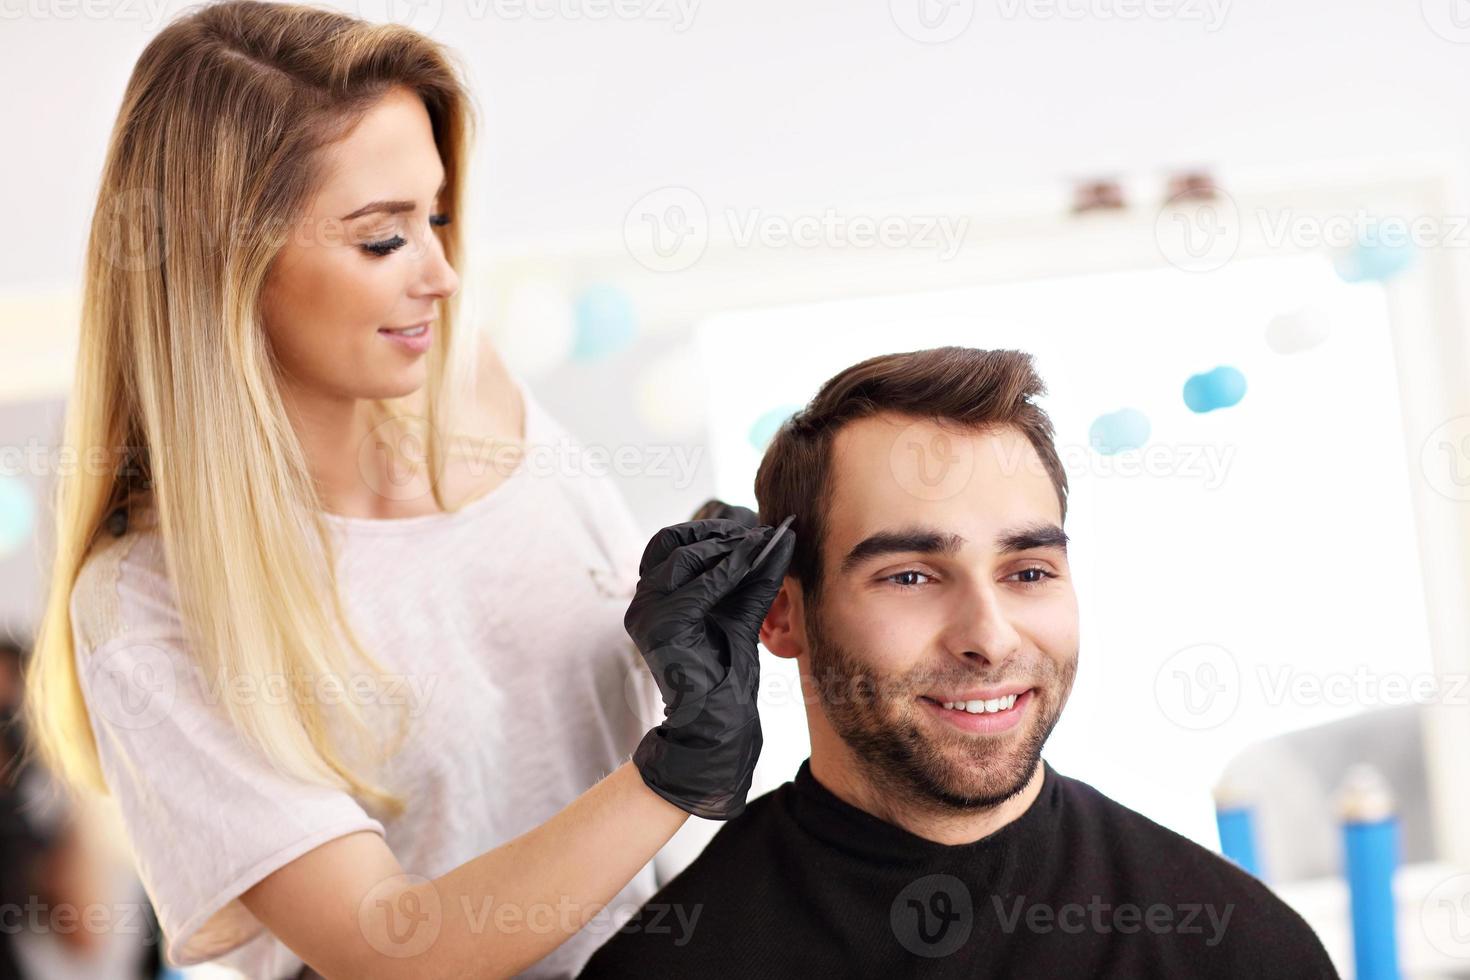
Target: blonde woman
(356,672)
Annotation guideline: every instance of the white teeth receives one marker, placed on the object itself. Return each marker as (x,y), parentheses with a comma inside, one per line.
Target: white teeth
(415,332)
(983,707)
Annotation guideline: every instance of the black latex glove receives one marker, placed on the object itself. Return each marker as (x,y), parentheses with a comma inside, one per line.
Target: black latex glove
(696,619)
(714,507)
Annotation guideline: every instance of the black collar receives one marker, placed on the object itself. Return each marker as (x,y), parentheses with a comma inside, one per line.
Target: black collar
(843,826)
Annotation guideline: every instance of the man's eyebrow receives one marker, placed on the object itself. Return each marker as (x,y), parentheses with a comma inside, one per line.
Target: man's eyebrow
(923,540)
(391,207)
(931,541)
(1042,534)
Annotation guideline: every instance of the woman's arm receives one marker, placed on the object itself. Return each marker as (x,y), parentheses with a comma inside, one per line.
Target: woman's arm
(345,908)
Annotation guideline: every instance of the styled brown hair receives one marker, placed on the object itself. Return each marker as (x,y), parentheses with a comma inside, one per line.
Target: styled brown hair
(974,388)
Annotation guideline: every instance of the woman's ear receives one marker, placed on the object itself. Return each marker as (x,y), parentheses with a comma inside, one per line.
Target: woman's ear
(784,631)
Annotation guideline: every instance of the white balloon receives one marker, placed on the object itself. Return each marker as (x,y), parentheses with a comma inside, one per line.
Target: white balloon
(538,329)
(1299,330)
(671,393)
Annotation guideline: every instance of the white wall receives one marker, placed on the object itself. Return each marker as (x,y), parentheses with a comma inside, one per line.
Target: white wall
(760,103)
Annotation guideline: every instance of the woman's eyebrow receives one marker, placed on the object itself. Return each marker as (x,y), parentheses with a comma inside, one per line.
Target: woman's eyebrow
(390,207)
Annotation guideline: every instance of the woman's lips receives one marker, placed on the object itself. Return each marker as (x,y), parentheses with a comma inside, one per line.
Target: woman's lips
(415,344)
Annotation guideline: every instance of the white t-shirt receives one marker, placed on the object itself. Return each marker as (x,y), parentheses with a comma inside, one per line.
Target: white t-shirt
(507,616)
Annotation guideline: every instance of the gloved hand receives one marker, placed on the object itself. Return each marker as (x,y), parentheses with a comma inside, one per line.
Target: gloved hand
(715,507)
(696,619)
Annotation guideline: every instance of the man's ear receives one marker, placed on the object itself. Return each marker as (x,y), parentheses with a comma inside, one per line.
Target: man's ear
(784,630)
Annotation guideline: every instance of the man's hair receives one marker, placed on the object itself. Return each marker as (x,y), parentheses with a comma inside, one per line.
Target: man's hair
(974,388)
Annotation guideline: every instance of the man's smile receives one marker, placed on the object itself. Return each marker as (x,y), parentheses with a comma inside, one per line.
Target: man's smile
(984,716)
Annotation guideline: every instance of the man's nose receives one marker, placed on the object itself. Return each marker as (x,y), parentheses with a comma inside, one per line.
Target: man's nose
(980,628)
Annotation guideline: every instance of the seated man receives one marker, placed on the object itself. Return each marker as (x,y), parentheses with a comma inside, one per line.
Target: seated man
(930,609)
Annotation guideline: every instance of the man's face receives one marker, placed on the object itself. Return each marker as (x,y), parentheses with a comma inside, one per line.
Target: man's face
(946,582)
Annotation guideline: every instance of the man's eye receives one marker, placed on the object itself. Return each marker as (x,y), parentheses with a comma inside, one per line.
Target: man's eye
(1033,583)
(907,577)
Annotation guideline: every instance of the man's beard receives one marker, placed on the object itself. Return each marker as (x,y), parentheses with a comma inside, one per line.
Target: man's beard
(902,756)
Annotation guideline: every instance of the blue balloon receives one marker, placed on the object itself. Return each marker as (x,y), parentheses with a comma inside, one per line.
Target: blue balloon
(1376,257)
(1220,388)
(17,515)
(1127,428)
(606,322)
(763,429)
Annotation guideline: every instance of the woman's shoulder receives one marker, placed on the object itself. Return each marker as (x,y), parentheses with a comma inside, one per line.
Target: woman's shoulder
(122,587)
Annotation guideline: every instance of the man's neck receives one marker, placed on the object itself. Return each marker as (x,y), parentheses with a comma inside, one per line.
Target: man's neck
(837,769)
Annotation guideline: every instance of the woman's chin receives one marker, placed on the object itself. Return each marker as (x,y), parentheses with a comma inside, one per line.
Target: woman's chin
(402,382)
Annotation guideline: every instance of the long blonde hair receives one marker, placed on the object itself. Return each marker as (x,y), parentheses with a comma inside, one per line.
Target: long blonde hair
(213,157)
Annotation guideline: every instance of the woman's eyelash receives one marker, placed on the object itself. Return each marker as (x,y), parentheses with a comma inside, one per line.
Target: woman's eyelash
(390,245)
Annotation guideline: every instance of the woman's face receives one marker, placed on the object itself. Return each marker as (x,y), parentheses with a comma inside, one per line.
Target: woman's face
(364,260)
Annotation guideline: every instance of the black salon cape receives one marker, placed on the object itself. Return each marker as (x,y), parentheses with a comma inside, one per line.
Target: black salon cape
(804,885)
